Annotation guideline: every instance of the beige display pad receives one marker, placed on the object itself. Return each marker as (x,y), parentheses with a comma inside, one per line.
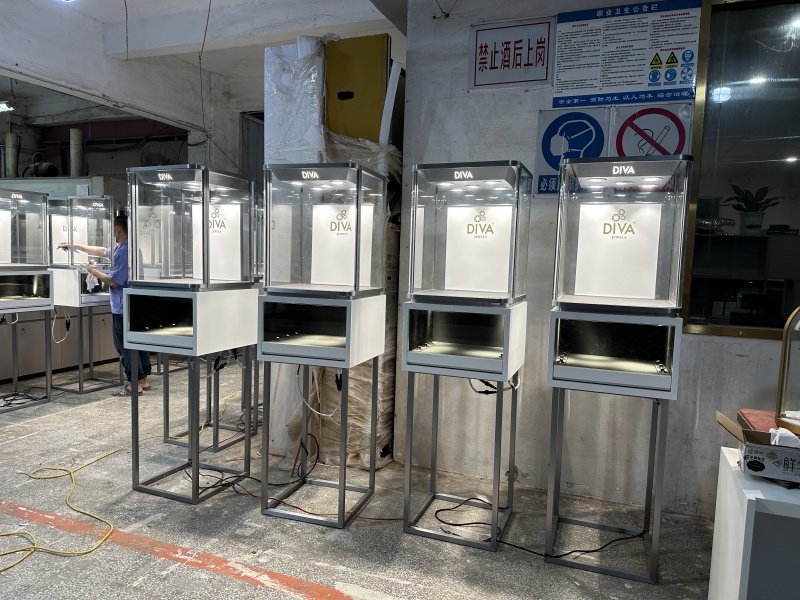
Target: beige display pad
(618,250)
(478,251)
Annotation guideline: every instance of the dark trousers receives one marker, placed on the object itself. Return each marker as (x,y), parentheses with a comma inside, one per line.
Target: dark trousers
(144,356)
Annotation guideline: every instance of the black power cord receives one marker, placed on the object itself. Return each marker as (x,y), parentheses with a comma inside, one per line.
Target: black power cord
(528,550)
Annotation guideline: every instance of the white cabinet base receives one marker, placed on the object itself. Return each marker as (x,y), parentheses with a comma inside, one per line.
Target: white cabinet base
(756,527)
(189,323)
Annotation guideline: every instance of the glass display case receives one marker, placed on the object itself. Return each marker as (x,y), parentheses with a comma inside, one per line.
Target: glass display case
(621,224)
(22,228)
(469,237)
(324,230)
(190,227)
(788,410)
(25,282)
(85,221)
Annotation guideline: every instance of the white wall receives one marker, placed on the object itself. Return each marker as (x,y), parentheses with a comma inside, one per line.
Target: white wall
(605,451)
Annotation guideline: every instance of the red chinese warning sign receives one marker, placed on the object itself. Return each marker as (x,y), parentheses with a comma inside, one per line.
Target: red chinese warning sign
(513,54)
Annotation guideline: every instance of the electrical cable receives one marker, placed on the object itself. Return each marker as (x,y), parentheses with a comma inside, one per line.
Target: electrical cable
(200,67)
(541,554)
(127,49)
(53,326)
(445,14)
(315,383)
(4,322)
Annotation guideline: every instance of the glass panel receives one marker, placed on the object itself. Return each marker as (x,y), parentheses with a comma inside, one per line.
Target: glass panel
(621,224)
(22,228)
(229,223)
(372,215)
(168,215)
(790,370)
(317,213)
(470,230)
(746,259)
(84,220)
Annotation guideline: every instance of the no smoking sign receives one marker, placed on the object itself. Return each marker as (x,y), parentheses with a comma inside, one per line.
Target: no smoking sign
(653,131)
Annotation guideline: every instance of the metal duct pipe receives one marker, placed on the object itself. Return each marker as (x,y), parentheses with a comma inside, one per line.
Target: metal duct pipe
(75,153)
(12,154)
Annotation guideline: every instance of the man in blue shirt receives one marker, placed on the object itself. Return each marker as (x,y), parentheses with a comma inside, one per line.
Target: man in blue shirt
(117,280)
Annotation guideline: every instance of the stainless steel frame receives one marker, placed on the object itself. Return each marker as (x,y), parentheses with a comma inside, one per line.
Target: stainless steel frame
(166,364)
(102,384)
(193,462)
(269,504)
(500,515)
(48,367)
(652,506)
(212,411)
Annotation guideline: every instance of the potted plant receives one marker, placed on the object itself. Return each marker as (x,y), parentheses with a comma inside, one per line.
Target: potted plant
(751,207)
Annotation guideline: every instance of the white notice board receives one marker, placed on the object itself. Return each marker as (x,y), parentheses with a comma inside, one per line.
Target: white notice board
(636,53)
(618,250)
(478,251)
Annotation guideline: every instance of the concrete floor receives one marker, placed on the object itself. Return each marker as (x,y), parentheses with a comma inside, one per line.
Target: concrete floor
(225,548)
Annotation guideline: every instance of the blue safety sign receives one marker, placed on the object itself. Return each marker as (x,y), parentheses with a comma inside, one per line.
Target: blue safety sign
(568,134)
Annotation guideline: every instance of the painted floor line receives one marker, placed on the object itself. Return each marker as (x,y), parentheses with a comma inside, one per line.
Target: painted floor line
(180,554)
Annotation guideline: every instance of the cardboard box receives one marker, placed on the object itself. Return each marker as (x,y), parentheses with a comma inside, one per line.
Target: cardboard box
(758,457)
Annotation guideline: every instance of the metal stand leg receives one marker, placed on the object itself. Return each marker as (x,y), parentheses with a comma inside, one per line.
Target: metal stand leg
(193,462)
(194,426)
(80,350)
(48,357)
(652,506)
(215,414)
(270,505)
(499,515)
(554,469)
(91,342)
(265,498)
(15,355)
(256,399)
(165,399)
(135,425)
(209,366)
(407,523)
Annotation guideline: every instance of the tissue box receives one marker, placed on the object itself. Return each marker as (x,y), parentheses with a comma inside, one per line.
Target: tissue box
(758,457)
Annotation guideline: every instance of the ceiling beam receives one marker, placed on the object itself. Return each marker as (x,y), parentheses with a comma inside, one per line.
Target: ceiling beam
(238,25)
(394,10)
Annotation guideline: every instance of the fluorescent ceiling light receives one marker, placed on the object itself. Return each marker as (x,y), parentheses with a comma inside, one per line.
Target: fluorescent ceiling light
(791,159)
(796,23)
(7,105)
(758,80)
